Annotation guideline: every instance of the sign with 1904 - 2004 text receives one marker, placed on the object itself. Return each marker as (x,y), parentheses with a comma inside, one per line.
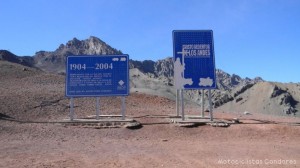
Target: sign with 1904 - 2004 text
(99,75)
(194,59)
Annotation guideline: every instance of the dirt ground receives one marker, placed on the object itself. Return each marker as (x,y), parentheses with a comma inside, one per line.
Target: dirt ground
(38,97)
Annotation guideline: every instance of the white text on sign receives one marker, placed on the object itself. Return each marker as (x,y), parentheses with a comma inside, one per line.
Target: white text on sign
(196,50)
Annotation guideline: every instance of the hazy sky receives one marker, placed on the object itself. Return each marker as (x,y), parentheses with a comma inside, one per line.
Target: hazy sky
(252,37)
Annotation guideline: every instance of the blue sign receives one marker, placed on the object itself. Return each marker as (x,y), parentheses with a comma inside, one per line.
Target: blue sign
(103,75)
(194,59)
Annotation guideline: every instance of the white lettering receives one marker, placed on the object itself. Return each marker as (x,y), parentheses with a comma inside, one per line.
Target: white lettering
(196,50)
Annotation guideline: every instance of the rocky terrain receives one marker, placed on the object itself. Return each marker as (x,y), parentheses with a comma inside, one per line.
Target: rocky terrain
(33,109)
(234,93)
(33,105)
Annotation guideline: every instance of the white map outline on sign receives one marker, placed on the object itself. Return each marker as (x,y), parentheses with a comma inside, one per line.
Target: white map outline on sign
(179,68)
(206,81)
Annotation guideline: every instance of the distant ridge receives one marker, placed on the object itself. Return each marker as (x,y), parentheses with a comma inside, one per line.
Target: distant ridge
(8,56)
(233,94)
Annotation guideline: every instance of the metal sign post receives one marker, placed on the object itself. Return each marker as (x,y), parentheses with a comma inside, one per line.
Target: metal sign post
(177,102)
(97,108)
(182,104)
(210,106)
(72,109)
(202,99)
(123,111)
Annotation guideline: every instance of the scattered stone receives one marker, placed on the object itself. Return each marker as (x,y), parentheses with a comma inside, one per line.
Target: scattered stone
(236,120)
(238,99)
(188,125)
(133,125)
(219,124)
(247,113)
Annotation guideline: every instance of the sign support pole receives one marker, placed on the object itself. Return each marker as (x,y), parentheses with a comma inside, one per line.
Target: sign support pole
(72,109)
(210,105)
(123,107)
(177,102)
(97,108)
(202,99)
(182,104)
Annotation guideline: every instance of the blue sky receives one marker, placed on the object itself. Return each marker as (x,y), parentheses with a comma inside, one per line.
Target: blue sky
(252,37)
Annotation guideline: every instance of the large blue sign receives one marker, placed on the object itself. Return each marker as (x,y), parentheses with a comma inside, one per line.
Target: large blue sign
(194,59)
(103,75)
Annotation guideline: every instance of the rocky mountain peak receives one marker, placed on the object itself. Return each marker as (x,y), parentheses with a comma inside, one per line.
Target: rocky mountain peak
(235,79)
(6,55)
(90,46)
(95,40)
(55,61)
(73,43)
(258,79)
(164,67)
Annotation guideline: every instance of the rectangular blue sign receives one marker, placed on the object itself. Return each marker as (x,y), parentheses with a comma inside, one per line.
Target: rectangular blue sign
(194,59)
(98,75)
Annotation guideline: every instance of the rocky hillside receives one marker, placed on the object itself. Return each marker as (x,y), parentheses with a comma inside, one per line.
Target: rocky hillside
(233,94)
(10,57)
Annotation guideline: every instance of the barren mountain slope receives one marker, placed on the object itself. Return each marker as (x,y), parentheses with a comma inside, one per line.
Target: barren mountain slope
(268,97)
(27,92)
(233,94)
